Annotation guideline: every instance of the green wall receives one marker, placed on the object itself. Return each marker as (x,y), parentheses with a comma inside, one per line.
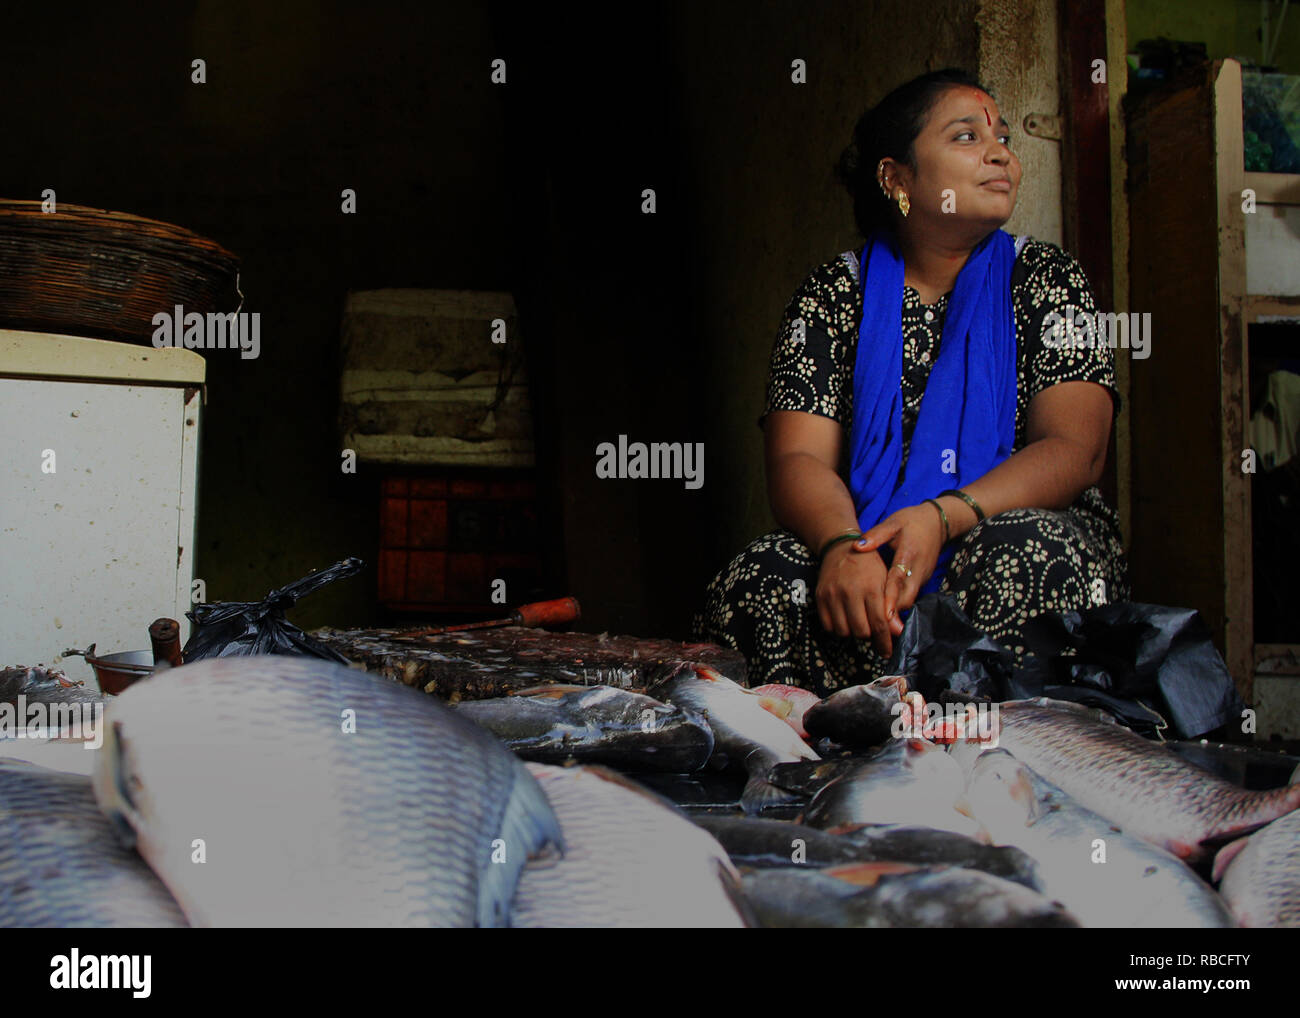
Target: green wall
(1229,28)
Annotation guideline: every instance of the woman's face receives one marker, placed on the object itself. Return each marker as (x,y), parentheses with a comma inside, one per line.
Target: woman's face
(962,150)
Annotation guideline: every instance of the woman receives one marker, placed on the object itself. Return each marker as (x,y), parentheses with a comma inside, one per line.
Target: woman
(925,428)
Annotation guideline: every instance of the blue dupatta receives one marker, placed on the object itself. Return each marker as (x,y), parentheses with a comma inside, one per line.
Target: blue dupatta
(966,423)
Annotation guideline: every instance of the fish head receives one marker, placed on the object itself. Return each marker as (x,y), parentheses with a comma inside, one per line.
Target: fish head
(789,703)
(930,761)
(888,688)
(965,752)
(1000,793)
(896,682)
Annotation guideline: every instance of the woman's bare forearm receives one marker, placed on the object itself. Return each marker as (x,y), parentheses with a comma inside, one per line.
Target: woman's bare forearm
(809,499)
(1047,474)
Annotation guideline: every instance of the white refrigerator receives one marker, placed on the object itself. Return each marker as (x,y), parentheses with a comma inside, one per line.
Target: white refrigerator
(98,477)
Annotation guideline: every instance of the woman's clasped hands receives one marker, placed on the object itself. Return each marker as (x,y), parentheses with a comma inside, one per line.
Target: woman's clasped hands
(858,595)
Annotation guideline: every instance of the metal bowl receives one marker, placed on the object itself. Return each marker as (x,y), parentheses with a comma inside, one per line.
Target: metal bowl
(115,672)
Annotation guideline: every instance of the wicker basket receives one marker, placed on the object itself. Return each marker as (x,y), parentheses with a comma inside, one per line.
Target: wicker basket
(89,272)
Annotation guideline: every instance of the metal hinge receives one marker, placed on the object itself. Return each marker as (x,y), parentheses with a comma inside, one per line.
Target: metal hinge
(1043,125)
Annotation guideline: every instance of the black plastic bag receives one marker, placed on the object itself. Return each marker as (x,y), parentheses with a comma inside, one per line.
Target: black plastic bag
(1151,666)
(940,651)
(235,628)
(1158,656)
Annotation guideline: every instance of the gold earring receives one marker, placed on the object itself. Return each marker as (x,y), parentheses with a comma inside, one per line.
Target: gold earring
(904,206)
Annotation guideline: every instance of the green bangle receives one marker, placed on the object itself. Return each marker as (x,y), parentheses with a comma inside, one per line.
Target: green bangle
(979,513)
(943,516)
(848,535)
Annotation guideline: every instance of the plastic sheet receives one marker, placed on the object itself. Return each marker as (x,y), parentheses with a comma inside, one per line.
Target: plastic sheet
(1149,665)
(942,652)
(232,628)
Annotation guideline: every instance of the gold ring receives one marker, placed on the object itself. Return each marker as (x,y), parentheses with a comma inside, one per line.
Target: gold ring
(906,571)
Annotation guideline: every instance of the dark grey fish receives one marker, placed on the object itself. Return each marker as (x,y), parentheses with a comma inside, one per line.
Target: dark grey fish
(630,860)
(755,842)
(61,864)
(928,846)
(317,795)
(1104,876)
(1260,875)
(743,729)
(595,724)
(1143,787)
(897,896)
(859,716)
(912,782)
(808,777)
(763,844)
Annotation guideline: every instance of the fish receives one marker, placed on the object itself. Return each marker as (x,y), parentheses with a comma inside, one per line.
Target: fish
(1259,875)
(859,716)
(292,791)
(789,703)
(595,724)
(1104,876)
(759,844)
(896,896)
(1141,786)
(743,730)
(61,864)
(912,782)
(808,777)
(43,685)
(59,720)
(631,860)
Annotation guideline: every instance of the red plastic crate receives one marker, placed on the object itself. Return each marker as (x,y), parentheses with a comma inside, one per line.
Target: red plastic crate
(444,537)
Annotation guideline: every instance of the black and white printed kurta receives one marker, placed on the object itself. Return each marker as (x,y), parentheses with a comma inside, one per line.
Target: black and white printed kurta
(1007,569)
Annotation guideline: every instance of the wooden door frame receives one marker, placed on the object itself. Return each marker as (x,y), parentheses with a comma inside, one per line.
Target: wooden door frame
(1085,164)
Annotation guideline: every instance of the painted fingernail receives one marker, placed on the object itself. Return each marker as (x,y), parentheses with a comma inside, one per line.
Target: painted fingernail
(862,543)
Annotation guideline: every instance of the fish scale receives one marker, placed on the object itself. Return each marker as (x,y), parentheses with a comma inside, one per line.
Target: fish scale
(1139,885)
(61,864)
(304,824)
(631,860)
(1147,789)
(1261,877)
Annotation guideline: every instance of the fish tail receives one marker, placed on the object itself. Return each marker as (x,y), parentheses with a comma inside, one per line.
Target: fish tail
(760,793)
(528,826)
(1255,809)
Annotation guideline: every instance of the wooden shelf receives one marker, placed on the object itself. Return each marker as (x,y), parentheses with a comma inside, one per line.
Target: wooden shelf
(1255,305)
(1274,188)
